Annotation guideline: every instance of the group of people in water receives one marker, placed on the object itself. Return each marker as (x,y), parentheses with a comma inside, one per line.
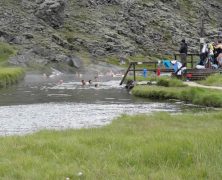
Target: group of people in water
(96,79)
(89,83)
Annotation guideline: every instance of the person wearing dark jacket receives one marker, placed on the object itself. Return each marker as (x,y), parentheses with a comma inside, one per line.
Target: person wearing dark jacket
(183,52)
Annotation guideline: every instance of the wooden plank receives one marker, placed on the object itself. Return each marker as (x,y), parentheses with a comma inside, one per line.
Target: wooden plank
(192,61)
(154,70)
(189,54)
(125,74)
(196,74)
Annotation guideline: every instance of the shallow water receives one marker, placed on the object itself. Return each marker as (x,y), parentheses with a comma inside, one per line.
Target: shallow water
(62,102)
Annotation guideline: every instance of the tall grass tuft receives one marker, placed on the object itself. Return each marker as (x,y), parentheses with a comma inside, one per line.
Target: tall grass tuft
(9,76)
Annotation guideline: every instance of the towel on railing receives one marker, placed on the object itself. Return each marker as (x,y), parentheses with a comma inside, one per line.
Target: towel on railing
(167,64)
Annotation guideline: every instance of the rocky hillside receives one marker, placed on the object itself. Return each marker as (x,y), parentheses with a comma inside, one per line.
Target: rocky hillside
(79,32)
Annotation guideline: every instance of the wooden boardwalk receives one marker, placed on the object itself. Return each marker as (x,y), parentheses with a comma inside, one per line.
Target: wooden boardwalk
(200,74)
(133,68)
(190,74)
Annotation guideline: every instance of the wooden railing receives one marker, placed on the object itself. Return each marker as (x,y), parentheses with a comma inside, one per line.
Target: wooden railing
(190,58)
(154,64)
(132,67)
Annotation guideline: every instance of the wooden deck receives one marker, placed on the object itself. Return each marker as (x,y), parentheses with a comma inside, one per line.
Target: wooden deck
(200,74)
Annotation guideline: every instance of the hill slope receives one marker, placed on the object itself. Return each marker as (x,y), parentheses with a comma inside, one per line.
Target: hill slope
(81,31)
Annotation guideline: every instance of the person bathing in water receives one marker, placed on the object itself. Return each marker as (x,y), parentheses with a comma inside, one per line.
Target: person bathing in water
(89,83)
(83,82)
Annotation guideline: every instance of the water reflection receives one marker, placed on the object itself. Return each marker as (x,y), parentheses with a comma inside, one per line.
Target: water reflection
(22,119)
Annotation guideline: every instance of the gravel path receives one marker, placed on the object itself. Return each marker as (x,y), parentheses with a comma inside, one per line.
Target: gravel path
(194,84)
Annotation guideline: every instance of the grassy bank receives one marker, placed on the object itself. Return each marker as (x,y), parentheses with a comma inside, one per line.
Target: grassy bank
(199,96)
(9,76)
(166,81)
(213,80)
(157,146)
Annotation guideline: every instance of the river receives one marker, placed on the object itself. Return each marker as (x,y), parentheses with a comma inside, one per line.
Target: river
(61,102)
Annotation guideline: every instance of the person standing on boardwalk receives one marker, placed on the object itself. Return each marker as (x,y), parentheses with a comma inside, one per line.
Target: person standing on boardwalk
(183,52)
(204,53)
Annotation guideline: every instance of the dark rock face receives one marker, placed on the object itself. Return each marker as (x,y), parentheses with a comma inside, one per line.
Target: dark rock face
(6,36)
(51,11)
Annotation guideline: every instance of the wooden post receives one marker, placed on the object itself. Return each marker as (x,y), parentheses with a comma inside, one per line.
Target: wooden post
(134,72)
(192,61)
(125,74)
(175,57)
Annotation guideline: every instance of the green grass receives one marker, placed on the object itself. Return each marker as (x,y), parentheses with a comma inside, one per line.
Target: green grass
(156,92)
(138,58)
(199,96)
(150,77)
(9,76)
(213,80)
(161,81)
(170,82)
(115,60)
(158,146)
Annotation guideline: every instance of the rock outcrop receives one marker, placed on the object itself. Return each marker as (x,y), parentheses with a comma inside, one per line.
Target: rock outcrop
(51,11)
